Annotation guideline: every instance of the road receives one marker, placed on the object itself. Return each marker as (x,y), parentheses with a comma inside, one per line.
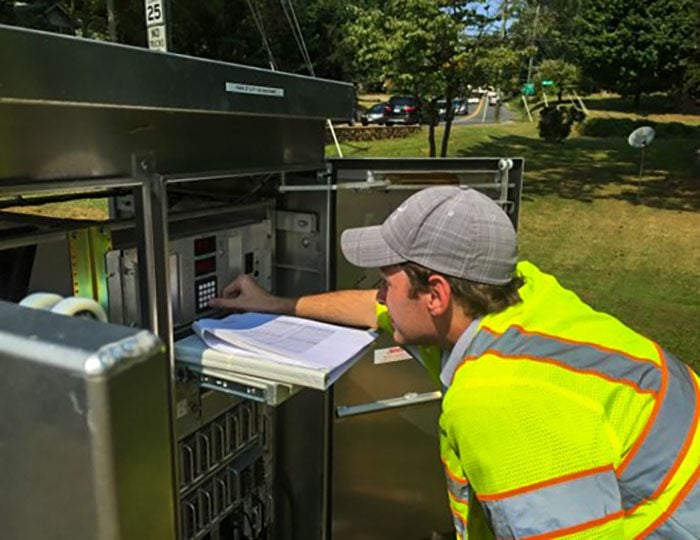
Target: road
(476,115)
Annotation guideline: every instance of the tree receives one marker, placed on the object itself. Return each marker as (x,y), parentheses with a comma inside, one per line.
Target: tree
(417,47)
(636,47)
(7,12)
(562,73)
(500,64)
(548,25)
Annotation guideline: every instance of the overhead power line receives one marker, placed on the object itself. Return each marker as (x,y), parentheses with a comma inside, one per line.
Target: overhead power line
(290,14)
(257,18)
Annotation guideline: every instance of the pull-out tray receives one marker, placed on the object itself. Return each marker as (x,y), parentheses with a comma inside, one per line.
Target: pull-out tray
(262,380)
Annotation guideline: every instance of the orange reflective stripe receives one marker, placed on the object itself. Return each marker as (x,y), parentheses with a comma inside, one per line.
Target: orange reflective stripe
(674,505)
(456,499)
(540,485)
(577,528)
(459,517)
(449,473)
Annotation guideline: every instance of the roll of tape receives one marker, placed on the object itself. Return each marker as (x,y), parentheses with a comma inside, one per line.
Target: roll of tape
(41,300)
(80,307)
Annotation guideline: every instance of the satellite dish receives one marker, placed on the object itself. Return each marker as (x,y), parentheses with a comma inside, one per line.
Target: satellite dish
(641,137)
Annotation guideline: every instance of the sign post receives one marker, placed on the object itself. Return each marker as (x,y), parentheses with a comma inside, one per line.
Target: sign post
(156,25)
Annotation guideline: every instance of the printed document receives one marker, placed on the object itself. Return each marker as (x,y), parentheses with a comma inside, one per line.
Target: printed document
(280,338)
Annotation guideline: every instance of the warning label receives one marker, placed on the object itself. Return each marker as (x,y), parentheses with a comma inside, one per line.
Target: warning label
(391,354)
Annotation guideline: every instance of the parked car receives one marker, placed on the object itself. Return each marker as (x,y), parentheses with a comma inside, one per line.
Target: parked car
(441,109)
(376,114)
(459,107)
(403,110)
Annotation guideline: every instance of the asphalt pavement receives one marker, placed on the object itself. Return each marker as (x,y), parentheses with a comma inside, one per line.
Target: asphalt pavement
(477,115)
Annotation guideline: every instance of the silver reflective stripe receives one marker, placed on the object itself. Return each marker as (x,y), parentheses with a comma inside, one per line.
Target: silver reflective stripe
(661,447)
(459,525)
(458,489)
(452,360)
(583,357)
(555,507)
(684,523)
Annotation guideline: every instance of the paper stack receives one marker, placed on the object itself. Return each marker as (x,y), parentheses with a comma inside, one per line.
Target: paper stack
(276,347)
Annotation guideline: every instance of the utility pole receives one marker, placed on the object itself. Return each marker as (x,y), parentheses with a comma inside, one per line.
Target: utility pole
(504,19)
(532,42)
(111,21)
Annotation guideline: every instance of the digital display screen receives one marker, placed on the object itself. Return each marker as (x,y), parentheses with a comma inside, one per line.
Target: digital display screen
(203,246)
(205,266)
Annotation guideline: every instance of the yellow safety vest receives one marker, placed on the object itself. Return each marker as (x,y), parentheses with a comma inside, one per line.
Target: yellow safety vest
(564,423)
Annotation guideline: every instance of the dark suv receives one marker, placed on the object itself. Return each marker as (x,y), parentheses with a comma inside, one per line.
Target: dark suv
(403,110)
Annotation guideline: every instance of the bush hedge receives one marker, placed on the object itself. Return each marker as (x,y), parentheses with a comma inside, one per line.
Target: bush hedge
(556,121)
(370,133)
(622,127)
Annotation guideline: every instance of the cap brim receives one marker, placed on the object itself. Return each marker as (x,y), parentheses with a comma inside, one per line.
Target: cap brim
(365,247)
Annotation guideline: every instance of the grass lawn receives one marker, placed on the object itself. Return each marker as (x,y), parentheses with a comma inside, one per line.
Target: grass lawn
(631,251)
(88,209)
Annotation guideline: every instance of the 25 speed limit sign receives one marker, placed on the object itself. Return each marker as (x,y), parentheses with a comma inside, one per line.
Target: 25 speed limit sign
(154,12)
(156,25)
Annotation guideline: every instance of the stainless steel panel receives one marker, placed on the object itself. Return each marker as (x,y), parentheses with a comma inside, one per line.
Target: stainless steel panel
(302,256)
(85,429)
(62,115)
(386,463)
(387,477)
(499,177)
(68,141)
(232,246)
(38,66)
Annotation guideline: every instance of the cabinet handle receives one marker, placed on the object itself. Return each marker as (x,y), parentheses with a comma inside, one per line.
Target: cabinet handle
(407,400)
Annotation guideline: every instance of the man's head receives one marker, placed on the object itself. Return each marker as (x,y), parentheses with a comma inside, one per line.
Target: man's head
(440,242)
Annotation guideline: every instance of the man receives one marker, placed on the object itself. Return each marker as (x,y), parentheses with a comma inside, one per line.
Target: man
(557,420)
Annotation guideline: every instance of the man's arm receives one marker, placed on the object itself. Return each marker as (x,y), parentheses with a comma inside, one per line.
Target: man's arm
(349,307)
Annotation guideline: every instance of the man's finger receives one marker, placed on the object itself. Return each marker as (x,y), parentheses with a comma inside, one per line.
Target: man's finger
(222,303)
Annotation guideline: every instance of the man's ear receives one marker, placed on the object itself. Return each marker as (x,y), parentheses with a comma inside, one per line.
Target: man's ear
(439,295)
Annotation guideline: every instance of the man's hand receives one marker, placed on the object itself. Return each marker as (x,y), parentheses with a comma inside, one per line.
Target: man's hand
(352,308)
(244,294)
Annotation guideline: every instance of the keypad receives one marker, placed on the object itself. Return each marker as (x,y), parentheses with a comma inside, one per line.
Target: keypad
(204,291)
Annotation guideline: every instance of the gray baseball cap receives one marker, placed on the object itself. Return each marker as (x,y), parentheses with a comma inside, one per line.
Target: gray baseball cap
(454,231)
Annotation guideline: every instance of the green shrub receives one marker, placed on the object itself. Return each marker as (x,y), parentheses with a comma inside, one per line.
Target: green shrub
(622,127)
(555,122)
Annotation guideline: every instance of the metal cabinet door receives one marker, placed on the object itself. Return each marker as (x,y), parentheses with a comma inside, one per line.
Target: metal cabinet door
(387,479)
(86,451)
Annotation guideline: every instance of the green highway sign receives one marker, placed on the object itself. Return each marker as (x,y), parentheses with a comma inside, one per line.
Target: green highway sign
(528,89)
(547,83)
